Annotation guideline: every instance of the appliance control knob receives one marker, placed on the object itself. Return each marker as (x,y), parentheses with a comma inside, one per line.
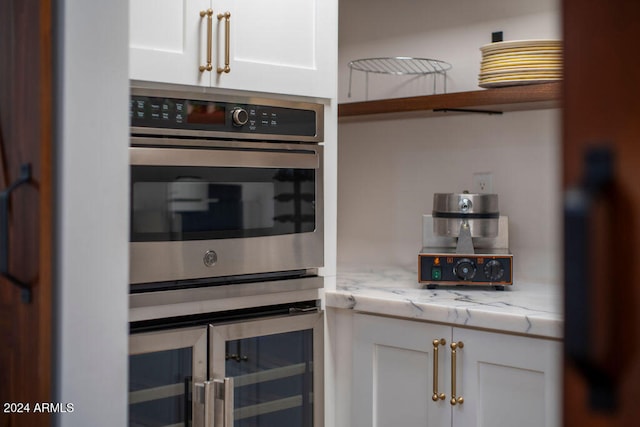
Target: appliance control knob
(465,269)
(239,116)
(493,270)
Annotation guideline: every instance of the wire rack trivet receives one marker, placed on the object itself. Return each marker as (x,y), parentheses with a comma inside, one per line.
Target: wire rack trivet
(400,66)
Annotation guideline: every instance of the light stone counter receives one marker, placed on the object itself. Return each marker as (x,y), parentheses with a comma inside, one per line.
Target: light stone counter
(525,308)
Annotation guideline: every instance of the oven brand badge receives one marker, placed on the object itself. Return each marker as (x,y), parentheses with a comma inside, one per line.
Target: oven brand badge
(210,258)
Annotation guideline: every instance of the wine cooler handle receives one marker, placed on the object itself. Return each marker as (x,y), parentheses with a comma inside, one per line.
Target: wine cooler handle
(25,176)
(436,395)
(580,205)
(205,396)
(225,393)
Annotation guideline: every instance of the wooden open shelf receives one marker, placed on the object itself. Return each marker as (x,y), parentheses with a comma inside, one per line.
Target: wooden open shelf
(487,101)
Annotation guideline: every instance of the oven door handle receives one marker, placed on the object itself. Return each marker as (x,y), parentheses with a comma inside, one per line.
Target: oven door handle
(144,156)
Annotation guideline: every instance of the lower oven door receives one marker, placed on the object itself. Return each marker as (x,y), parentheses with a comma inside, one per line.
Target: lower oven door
(224,210)
(166,369)
(268,373)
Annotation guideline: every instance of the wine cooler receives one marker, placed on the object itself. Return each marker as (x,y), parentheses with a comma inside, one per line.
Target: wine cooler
(257,369)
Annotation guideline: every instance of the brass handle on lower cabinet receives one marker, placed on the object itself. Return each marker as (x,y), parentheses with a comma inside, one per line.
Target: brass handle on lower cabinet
(454,351)
(209,14)
(227,33)
(436,396)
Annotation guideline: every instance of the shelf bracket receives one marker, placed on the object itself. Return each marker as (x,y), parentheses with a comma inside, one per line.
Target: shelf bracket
(466,110)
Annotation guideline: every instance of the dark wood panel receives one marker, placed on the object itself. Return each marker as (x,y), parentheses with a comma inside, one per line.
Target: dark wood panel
(26,136)
(515,98)
(600,98)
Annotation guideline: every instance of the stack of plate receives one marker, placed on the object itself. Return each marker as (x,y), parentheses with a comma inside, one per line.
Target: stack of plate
(520,62)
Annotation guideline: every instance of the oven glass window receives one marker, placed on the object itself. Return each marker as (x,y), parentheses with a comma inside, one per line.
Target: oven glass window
(196,203)
(273,379)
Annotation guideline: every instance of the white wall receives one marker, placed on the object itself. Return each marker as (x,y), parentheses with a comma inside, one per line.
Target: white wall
(449,30)
(92,175)
(388,170)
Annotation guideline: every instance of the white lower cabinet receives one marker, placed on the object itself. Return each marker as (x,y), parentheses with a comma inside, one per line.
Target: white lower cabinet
(503,380)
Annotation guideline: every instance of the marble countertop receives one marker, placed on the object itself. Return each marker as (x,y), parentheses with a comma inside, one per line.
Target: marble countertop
(526,308)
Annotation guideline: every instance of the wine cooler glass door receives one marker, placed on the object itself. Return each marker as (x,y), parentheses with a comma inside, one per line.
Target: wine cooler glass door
(166,370)
(269,372)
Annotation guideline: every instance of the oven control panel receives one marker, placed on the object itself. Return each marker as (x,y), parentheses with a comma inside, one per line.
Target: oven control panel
(236,117)
(461,269)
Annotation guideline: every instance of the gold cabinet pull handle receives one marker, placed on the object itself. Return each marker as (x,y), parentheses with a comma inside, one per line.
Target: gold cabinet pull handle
(436,396)
(209,14)
(454,350)
(227,32)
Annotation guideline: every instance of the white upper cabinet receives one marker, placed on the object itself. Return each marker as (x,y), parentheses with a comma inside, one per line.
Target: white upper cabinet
(279,46)
(167,39)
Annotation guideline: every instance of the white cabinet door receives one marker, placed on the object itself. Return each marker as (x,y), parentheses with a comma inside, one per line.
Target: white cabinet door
(507,380)
(393,373)
(167,41)
(504,380)
(279,46)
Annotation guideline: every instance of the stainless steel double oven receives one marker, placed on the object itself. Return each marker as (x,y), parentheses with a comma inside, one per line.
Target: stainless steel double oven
(226,239)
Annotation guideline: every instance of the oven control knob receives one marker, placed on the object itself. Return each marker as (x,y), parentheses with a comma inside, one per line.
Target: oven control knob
(465,269)
(239,116)
(493,270)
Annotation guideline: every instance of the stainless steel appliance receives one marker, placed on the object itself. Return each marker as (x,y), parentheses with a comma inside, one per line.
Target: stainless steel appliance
(224,190)
(465,242)
(226,239)
(264,370)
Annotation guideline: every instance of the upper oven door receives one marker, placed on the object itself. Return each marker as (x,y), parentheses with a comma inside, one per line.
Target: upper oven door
(224,210)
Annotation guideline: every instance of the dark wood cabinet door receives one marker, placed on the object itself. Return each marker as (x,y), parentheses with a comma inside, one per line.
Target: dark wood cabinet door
(601,112)
(26,137)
